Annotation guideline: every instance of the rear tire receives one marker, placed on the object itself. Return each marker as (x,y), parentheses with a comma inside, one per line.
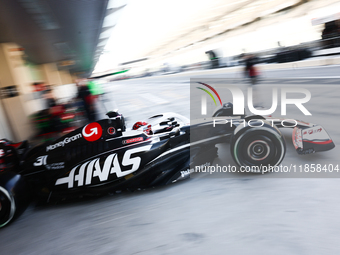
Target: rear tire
(14,197)
(7,207)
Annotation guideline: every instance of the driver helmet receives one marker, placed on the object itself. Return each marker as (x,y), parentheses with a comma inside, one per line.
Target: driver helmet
(139,124)
(145,125)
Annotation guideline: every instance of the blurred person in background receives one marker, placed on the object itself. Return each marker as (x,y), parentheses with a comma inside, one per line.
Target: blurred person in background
(53,110)
(48,95)
(331,34)
(38,86)
(87,99)
(213,59)
(252,73)
(47,121)
(250,70)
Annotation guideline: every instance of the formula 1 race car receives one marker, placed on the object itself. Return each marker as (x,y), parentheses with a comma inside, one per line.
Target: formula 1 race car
(105,156)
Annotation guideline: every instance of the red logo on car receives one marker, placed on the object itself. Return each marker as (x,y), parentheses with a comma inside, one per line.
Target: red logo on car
(92,132)
(111,130)
(133,140)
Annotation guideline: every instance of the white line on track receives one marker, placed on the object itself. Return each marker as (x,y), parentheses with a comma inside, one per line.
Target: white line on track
(319,77)
(306,78)
(153,98)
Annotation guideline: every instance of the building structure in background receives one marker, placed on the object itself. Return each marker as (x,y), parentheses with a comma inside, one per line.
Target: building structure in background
(50,42)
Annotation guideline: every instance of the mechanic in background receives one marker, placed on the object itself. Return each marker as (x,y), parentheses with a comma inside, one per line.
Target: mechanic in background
(251,72)
(54,110)
(213,59)
(87,99)
(48,95)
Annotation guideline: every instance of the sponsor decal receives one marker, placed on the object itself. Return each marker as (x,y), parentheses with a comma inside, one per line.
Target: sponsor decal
(133,140)
(311,131)
(315,133)
(111,130)
(63,142)
(84,174)
(92,132)
(42,161)
(187,172)
(56,166)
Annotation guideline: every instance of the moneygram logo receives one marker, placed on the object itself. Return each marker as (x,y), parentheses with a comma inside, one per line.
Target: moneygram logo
(92,132)
(63,142)
(239,100)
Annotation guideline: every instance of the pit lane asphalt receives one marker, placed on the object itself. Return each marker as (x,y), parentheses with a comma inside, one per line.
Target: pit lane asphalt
(228,213)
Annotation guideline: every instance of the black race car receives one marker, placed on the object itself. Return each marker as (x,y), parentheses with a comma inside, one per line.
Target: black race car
(104,156)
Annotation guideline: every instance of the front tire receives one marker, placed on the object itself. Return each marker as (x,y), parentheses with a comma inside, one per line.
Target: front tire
(256,149)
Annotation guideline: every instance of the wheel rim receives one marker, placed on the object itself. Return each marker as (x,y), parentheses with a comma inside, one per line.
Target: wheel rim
(263,147)
(258,150)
